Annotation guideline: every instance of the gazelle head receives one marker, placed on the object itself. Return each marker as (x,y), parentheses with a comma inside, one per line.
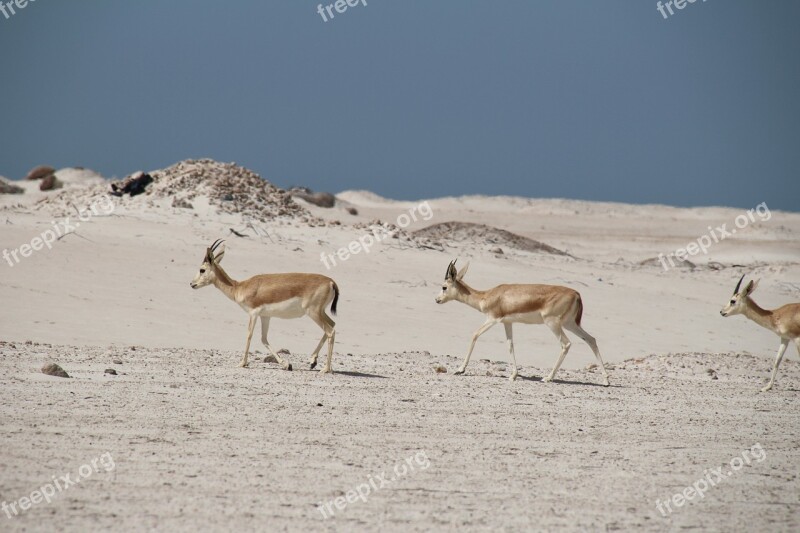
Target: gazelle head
(450,288)
(207,273)
(739,299)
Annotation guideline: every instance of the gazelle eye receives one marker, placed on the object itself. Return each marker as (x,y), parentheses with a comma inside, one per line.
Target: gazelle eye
(444,288)
(733,301)
(202,270)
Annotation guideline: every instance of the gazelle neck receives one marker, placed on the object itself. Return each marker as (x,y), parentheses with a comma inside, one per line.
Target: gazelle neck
(469,296)
(760,316)
(224,282)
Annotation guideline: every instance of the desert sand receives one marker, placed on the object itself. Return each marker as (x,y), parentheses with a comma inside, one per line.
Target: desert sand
(199,443)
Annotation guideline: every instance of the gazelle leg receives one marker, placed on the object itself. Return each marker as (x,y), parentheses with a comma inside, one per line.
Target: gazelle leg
(321,323)
(555,327)
(250,327)
(778,359)
(588,339)
(328,325)
(510,339)
(331,337)
(264,330)
(481,330)
(313,362)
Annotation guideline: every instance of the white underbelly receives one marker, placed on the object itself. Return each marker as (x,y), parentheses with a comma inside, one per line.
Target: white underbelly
(291,308)
(525,318)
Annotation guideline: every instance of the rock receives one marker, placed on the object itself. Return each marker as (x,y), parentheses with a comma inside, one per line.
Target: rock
(133,185)
(440,369)
(352,210)
(320,199)
(117,361)
(111,371)
(53,369)
(40,172)
(497,250)
(284,351)
(50,183)
(270,359)
(10,188)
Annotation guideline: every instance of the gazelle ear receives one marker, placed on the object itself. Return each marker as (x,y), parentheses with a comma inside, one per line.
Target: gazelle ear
(461,272)
(751,287)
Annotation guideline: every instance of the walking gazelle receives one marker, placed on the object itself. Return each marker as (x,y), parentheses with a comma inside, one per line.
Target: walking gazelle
(557,307)
(784,321)
(274,295)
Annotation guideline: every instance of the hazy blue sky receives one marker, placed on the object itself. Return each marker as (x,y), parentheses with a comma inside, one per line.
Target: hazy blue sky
(601,100)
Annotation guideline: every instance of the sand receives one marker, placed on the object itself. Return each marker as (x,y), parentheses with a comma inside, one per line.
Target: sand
(199,443)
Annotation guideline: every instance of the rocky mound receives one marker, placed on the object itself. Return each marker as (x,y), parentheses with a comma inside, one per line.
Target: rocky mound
(6,187)
(482,235)
(228,187)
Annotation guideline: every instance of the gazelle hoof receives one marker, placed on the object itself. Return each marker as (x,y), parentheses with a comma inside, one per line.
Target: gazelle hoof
(289,367)
(326,371)
(313,365)
(242,365)
(606,383)
(547,379)
(513,377)
(459,372)
(766,389)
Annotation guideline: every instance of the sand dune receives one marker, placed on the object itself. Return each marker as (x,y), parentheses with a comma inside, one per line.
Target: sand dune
(199,442)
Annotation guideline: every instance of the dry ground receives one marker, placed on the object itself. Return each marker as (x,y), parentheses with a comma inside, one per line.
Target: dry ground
(198,443)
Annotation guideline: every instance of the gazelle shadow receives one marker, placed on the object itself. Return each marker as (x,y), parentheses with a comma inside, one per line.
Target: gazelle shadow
(568,382)
(358,374)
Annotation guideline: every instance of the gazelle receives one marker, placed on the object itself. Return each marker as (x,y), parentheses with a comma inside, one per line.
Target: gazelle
(274,295)
(557,307)
(783,321)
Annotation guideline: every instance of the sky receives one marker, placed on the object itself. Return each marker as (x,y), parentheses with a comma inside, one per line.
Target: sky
(582,99)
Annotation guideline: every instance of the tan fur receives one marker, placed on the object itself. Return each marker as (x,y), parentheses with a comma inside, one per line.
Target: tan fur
(557,307)
(550,300)
(784,321)
(265,296)
(314,289)
(787,320)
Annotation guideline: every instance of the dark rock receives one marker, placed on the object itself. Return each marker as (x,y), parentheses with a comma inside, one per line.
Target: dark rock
(53,369)
(40,172)
(50,183)
(111,371)
(352,210)
(133,185)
